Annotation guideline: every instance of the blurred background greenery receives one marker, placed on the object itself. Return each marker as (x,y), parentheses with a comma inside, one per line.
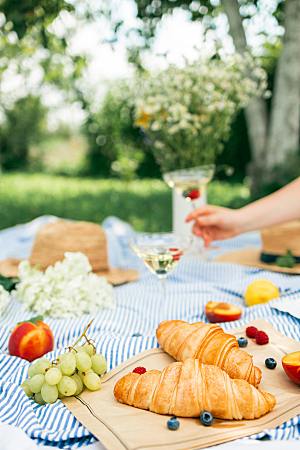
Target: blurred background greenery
(146,203)
(102,164)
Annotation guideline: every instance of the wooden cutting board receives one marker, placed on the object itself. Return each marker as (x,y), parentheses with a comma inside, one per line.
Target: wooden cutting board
(122,427)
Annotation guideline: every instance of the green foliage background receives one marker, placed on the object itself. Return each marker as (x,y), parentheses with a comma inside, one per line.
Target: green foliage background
(27,42)
(116,148)
(23,126)
(111,135)
(146,204)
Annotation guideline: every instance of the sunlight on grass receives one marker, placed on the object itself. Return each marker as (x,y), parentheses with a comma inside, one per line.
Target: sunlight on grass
(146,204)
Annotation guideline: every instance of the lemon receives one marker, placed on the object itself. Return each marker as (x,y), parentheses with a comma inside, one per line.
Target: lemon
(260,291)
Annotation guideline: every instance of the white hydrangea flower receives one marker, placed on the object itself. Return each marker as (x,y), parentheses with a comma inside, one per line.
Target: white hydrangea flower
(67,289)
(4,299)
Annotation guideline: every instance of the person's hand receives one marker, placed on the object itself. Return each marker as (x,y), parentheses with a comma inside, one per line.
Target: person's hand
(215,223)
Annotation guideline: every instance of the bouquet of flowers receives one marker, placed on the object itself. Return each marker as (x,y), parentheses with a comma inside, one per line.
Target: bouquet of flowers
(187,111)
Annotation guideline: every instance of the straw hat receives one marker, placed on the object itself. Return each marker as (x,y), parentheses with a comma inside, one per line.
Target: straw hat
(54,239)
(276,241)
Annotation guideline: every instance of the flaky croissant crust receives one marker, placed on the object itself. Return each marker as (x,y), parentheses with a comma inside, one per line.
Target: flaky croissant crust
(185,389)
(210,344)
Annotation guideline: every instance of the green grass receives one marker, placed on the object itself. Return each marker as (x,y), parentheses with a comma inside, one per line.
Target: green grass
(146,204)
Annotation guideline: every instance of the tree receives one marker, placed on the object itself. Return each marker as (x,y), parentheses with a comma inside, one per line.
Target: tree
(273,131)
(116,145)
(28,39)
(32,13)
(29,45)
(19,131)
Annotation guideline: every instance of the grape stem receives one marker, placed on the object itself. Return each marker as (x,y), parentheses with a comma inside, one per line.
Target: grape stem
(83,334)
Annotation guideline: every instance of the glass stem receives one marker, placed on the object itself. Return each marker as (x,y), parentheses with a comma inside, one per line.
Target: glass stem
(194,240)
(163,287)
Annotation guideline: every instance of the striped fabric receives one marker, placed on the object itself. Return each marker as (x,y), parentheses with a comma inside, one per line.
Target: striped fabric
(130,329)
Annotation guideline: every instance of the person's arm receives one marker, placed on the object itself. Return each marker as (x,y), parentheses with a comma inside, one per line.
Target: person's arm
(281,206)
(212,222)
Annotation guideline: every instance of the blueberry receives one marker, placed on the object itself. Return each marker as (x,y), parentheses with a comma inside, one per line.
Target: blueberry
(173,423)
(206,418)
(242,341)
(270,363)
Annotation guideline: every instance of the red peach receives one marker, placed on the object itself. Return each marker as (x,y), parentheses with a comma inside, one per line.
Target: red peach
(31,340)
(291,366)
(222,312)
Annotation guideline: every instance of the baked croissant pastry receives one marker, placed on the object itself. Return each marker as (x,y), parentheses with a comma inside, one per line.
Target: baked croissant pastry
(186,388)
(210,344)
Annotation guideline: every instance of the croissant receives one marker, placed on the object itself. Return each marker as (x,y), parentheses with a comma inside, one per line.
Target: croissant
(210,344)
(186,388)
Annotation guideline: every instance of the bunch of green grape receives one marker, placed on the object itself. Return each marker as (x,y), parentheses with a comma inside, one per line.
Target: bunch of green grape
(79,367)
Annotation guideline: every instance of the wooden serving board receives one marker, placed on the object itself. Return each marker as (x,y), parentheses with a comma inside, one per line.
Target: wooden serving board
(122,427)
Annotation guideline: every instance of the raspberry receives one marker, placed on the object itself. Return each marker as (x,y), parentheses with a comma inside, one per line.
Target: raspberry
(176,253)
(261,338)
(139,370)
(251,332)
(194,194)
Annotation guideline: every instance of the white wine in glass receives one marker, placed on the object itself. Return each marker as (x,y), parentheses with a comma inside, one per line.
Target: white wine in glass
(160,252)
(190,183)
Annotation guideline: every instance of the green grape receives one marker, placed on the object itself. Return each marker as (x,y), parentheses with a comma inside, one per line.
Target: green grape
(39,399)
(53,376)
(78,382)
(42,365)
(49,393)
(60,396)
(81,374)
(67,363)
(89,348)
(32,370)
(36,383)
(83,361)
(67,386)
(77,349)
(26,388)
(63,356)
(92,381)
(99,364)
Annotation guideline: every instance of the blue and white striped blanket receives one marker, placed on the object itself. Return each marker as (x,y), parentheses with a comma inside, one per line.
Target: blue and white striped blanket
(130,329)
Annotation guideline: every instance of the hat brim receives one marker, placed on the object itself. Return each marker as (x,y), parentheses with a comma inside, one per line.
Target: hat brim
(251,257)
(9,267)
(116,277)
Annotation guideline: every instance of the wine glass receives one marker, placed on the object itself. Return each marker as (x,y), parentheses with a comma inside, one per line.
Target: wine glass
(190,183)
(160,252)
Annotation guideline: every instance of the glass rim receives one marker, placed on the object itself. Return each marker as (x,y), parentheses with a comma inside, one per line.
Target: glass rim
(159,235)
(188,170)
